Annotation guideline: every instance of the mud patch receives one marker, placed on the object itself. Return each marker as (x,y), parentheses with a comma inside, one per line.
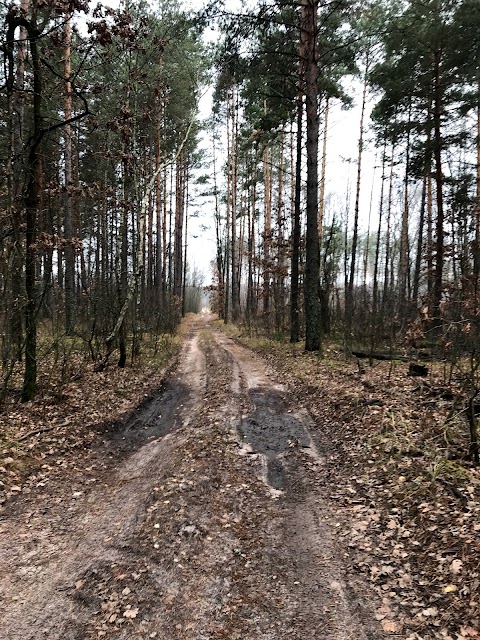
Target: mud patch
(167,410)
(156,418)
(272,430)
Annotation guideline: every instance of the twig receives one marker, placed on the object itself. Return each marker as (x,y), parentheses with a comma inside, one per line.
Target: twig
(35,432)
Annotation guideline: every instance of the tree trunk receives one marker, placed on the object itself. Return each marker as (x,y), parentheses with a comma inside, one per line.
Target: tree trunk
(279,277)
(165,245)
(69,251)
(31,204)
(251,294)
(366,251)
(158,280)
(267,233)
(233,183)
(185,246)
(476,251)
(386,274)
(227,228)
(349,298)
(14,174)
(122,281)
(149,275)
(218,237)
(296,232)
(418,257)
(437,152)
(178,237)
(297,187)
(402,301)
(312,258)
(377,255)
(321,204)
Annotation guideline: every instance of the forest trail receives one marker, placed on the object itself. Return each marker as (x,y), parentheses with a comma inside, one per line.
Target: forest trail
(212,522)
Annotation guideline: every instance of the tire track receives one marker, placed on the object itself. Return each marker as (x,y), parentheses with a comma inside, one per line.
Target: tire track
(38,570)
(327,600)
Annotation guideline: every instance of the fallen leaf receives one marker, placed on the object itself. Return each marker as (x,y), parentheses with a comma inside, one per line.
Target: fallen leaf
(390,626)
(456,566)
(450,588)
(130,613)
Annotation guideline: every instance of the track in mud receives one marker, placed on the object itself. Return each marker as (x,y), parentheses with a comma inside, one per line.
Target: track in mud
(272,430)
(163,414)
(156,418)
(270,424)
(62,559)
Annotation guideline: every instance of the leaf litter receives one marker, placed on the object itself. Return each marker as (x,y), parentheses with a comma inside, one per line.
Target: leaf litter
(194,564)
(408,498)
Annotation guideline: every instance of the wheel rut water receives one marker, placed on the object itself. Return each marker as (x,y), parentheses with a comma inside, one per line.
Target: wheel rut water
(271,429)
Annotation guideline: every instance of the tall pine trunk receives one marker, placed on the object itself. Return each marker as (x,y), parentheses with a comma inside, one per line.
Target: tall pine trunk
(218,237)
(388,243)
(69,251)
(376,266)
(279,276)
(349,297)
(476,252)
(267,232)
(227,230)
(296,231)
(437,152)
(404,248)
(32,197)
(234,172)
(312,258)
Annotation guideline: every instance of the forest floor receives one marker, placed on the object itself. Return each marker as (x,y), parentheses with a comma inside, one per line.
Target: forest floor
(256,492)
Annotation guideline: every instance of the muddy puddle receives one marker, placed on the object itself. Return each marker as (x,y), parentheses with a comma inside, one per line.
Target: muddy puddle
(170,407)
(156,418)
(272,429)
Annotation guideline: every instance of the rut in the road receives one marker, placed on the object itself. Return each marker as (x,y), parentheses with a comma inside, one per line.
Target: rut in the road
(213,527)
(40,568)
(271,424)
(326,601)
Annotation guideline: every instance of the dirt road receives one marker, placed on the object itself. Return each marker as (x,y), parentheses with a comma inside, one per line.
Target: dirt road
(206,516)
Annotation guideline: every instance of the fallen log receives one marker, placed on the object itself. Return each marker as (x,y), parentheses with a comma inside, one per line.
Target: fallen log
(388,355)
(380,355)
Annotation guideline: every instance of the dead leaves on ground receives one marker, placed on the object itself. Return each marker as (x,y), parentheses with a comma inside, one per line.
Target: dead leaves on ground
(408,503)
(116,595)
(41,438)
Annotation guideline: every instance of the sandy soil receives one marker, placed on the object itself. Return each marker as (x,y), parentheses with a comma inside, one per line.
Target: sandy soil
(210,518)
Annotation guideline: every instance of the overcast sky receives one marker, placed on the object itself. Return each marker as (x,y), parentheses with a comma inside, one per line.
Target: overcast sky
(342,150)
